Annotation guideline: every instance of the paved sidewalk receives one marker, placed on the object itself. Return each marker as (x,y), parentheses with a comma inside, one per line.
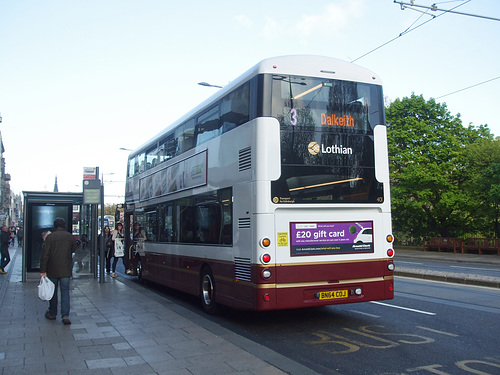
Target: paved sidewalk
(121,328)
(118,328)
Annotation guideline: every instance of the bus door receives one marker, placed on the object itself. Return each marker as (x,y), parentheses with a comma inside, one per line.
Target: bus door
(127,228)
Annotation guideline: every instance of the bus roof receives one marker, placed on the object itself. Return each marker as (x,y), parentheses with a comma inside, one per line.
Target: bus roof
(299,65)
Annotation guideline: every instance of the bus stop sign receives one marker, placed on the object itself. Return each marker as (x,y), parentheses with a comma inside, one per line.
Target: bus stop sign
(91,191)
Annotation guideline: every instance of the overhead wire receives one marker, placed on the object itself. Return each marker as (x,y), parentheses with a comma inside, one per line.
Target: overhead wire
(423,14)
(408,30)
(434,8)
(469,87)
(446,2)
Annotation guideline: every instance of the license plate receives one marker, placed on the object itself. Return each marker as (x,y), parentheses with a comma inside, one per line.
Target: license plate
(333,294)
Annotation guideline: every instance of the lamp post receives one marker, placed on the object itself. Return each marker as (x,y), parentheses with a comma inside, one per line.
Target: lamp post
(102,251)
(206,84)
(102,245)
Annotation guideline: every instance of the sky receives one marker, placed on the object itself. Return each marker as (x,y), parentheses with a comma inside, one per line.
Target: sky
(81,79)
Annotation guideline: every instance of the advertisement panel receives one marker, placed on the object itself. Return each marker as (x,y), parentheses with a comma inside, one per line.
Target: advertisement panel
(322,238)
(40,224)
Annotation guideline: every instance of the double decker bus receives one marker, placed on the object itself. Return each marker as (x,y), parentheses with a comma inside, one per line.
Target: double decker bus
(272,194)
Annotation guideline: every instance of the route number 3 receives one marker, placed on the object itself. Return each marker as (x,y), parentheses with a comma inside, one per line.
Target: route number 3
(293,116)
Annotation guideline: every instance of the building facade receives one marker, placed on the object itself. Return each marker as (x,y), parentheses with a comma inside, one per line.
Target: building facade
(6,216)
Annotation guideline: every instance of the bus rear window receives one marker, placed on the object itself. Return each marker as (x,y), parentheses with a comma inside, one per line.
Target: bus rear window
(327,151)
(331,105)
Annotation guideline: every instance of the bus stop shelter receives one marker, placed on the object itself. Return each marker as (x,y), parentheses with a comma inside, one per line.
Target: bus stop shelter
(40,211)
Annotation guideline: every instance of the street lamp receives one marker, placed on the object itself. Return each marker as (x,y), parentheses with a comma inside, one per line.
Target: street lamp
(206,84)
(125,149)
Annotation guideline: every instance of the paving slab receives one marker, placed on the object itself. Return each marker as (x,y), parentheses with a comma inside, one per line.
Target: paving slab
(119,329)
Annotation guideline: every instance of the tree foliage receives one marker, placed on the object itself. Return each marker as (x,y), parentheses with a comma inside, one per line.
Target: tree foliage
(110,209)
(436,164)
(483,167)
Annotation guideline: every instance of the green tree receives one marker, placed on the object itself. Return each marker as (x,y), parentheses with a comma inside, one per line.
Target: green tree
(427,148)
(109,209)
(483,170)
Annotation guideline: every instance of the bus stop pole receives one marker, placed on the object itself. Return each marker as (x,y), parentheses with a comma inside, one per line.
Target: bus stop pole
(102,244)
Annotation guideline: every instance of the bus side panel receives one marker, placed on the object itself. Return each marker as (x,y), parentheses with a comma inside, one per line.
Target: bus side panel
(183,273)
(243,296)
(154,269)
(243,257)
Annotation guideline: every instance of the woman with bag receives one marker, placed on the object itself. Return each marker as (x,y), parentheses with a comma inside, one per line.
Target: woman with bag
(118,246)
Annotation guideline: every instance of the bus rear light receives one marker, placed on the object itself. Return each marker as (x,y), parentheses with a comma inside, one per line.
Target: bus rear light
(266,274)
(390,238)
(390,252)
(265,242)
(266,297)
(390,266)
(266,258)
(358,291)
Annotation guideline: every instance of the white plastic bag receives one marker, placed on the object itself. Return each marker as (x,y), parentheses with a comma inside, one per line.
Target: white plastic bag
(119,248)
(45,289)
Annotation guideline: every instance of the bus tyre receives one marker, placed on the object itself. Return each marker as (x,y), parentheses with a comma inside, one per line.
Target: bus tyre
(138,268)
(207,291)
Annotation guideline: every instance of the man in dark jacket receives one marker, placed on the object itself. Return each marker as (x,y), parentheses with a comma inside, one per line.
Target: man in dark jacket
(4,249)
(57,263)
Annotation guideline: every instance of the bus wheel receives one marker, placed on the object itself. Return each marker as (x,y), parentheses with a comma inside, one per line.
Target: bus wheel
(207,291)
(138,268)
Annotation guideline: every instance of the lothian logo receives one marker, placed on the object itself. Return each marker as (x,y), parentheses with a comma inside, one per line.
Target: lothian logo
(314,149)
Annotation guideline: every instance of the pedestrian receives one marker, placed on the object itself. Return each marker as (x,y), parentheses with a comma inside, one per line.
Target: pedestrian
(138,236)
(12,236)
(20,237)
(82,252)
(108,247)
(118,247)
(4,249)
(57,263)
